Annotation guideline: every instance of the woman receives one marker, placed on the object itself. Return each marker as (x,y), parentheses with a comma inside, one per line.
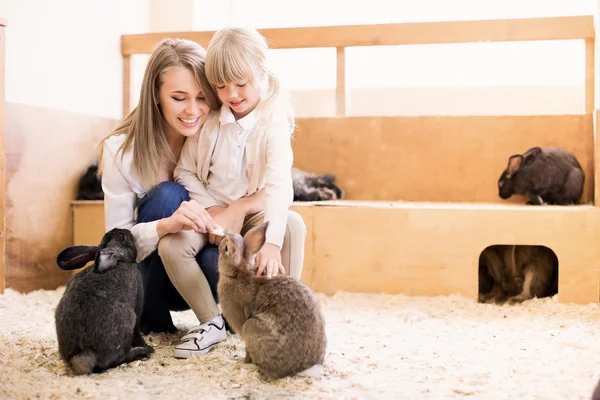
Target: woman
(137,162)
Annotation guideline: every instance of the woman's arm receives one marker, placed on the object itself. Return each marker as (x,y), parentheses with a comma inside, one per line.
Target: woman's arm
(119,205)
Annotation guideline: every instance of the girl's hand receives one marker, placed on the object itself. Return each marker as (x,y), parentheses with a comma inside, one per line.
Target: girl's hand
(268,261)
(189,216)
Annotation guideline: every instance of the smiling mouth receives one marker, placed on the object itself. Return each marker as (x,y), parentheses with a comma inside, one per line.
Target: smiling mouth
(236,103)
(189,122)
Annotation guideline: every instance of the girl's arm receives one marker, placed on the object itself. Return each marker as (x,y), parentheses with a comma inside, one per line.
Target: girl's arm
(279,190)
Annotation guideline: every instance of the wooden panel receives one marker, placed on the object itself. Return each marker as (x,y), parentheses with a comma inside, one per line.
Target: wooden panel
(553,28)
(88,222)
(433,249)
(424,248)
(45,157)
(448,159)
(2,153)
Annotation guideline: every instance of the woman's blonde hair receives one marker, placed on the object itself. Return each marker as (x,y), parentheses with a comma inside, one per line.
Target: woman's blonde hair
(237,53)
(144,126)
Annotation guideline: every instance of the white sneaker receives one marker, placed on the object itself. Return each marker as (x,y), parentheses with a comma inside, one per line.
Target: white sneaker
(201,339)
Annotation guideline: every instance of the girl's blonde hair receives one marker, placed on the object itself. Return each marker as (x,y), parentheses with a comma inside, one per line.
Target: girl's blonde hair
(236,54)
(145,125)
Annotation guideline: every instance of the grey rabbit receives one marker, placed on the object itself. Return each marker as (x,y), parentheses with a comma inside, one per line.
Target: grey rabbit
(314,187)
(596,393)
(97,318)
(519,273)
(90,184)
(278,319)
(547,176)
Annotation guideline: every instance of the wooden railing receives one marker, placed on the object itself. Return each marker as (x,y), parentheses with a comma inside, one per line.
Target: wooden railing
(340,37)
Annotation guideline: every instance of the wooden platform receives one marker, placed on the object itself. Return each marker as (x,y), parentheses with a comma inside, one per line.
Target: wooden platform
(423,248)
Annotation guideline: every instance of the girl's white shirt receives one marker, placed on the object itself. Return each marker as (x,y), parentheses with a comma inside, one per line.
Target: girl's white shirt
(207,166)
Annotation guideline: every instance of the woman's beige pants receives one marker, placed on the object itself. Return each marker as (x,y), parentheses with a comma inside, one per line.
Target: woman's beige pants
(178,253)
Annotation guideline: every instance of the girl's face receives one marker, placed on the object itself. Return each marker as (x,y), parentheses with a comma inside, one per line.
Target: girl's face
(182,102)
(241,96)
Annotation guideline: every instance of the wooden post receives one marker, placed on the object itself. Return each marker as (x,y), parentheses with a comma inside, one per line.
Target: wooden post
(126,84)
(589,76)
(596,84)
(340,87)
(2,152)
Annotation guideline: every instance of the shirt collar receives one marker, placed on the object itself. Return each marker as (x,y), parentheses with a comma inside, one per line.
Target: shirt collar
(246,123)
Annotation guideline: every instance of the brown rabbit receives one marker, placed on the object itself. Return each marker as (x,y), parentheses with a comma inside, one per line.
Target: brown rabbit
(519,273)
(278,319)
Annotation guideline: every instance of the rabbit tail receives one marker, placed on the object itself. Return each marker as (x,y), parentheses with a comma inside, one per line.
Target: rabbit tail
(574,186)
(84,362)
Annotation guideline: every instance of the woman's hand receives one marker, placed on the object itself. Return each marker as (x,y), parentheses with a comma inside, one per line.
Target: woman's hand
(268,261)
(189,216)
(231,219)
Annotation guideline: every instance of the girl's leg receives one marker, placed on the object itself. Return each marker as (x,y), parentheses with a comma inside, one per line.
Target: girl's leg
(159,295)
(178,252)
(292,251)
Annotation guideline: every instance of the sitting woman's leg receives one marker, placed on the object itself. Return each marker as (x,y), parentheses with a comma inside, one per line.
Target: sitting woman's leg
(159,297)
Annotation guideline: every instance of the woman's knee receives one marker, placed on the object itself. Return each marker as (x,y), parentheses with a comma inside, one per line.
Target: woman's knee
(161,201)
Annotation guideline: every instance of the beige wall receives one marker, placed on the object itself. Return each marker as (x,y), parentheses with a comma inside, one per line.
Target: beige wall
(65,54)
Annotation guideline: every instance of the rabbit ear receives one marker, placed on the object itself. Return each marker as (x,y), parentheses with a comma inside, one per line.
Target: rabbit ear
(532,152)
(107,260)
(514,163)
(75,257)
(234,251)
(254,240)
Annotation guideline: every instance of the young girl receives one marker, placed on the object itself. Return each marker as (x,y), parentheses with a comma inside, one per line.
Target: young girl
(241,150)
(137,162)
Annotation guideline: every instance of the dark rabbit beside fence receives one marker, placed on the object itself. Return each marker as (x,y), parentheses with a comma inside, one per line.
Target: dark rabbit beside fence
(90,184)
(548,175)
(97,318)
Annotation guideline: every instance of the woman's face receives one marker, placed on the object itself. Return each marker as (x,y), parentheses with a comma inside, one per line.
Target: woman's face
(182,102)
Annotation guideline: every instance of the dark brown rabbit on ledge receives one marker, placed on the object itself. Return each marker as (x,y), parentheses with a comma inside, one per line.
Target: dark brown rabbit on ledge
(549,175)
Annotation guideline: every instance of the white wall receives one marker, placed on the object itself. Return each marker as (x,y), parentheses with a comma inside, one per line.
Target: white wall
(498,78)
(65,54)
